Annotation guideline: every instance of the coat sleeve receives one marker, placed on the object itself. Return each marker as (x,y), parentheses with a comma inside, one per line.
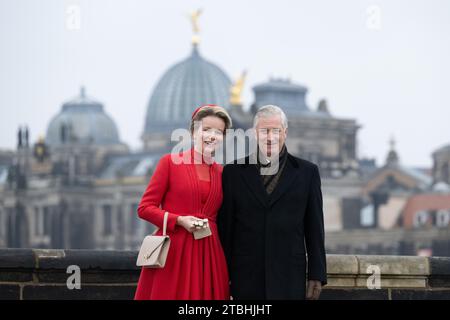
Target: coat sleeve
(149,207)
(314,231)
(225,217)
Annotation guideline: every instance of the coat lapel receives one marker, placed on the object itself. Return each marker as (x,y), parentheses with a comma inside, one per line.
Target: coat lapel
(254,182)
(288,176)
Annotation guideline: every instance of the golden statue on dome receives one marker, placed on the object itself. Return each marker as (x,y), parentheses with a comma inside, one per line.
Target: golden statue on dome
(236,90)
(194,16)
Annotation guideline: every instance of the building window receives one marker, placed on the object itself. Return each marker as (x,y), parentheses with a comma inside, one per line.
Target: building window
(368,216)
(42,221)
(2,224)
(37,217)
(47,221)
(107,220)
(445,173)
(137,227)
(9,224)
(134,219)
(420,219)
(442,218)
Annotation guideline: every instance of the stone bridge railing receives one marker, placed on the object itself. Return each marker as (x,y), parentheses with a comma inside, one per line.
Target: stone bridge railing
(43,274)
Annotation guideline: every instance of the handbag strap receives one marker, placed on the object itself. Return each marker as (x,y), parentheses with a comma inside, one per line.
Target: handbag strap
(166,216)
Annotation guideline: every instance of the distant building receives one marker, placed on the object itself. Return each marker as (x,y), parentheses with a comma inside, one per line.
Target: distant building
(441,165)
(388,189)
(399,212)
(80,185)
(427,210)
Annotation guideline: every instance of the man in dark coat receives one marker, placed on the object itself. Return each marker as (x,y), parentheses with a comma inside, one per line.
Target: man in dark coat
(271,219)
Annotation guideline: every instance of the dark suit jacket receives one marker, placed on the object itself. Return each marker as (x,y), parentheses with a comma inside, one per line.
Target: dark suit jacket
(266,237)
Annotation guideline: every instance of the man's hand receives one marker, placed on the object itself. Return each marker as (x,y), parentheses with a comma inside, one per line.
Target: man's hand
(314,289)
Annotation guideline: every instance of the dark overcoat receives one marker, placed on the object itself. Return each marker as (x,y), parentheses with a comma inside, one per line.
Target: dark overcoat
(267,239)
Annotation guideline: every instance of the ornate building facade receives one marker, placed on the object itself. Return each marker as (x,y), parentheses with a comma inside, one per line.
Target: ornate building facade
(80,185)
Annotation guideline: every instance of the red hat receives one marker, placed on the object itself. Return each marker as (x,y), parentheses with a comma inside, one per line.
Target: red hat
(198,109)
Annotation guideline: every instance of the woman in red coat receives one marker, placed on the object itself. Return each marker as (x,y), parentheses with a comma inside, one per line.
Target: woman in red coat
(190,191)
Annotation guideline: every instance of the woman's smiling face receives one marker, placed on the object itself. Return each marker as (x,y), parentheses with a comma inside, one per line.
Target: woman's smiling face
(209,135)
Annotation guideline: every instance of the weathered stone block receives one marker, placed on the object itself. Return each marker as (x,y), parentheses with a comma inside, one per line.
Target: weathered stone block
(17,259)
(16,275)
(90,276)
(9,292)
(340,264)
(405,294)
(341,281)
(394,282)
(87,292)
(87,259)
(395,265)
(354,294)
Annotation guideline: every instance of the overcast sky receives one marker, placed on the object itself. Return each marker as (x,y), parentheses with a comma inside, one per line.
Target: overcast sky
(384,63)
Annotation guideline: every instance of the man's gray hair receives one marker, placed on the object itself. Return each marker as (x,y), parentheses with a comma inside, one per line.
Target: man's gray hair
(270,110)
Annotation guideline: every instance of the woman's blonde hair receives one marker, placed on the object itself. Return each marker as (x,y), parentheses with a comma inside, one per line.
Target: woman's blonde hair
(211,110)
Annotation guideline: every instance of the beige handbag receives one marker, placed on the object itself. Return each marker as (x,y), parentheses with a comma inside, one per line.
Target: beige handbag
(154,249)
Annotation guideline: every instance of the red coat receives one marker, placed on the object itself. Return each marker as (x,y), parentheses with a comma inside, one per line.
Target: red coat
(195,269)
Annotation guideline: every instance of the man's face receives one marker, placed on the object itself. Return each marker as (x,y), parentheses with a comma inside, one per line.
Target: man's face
(270,135)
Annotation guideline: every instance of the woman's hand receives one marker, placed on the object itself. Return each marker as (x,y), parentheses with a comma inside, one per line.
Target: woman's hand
(188,222)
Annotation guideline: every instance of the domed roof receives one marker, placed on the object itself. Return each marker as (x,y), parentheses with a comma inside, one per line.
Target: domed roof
(185,86)
(82,120)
